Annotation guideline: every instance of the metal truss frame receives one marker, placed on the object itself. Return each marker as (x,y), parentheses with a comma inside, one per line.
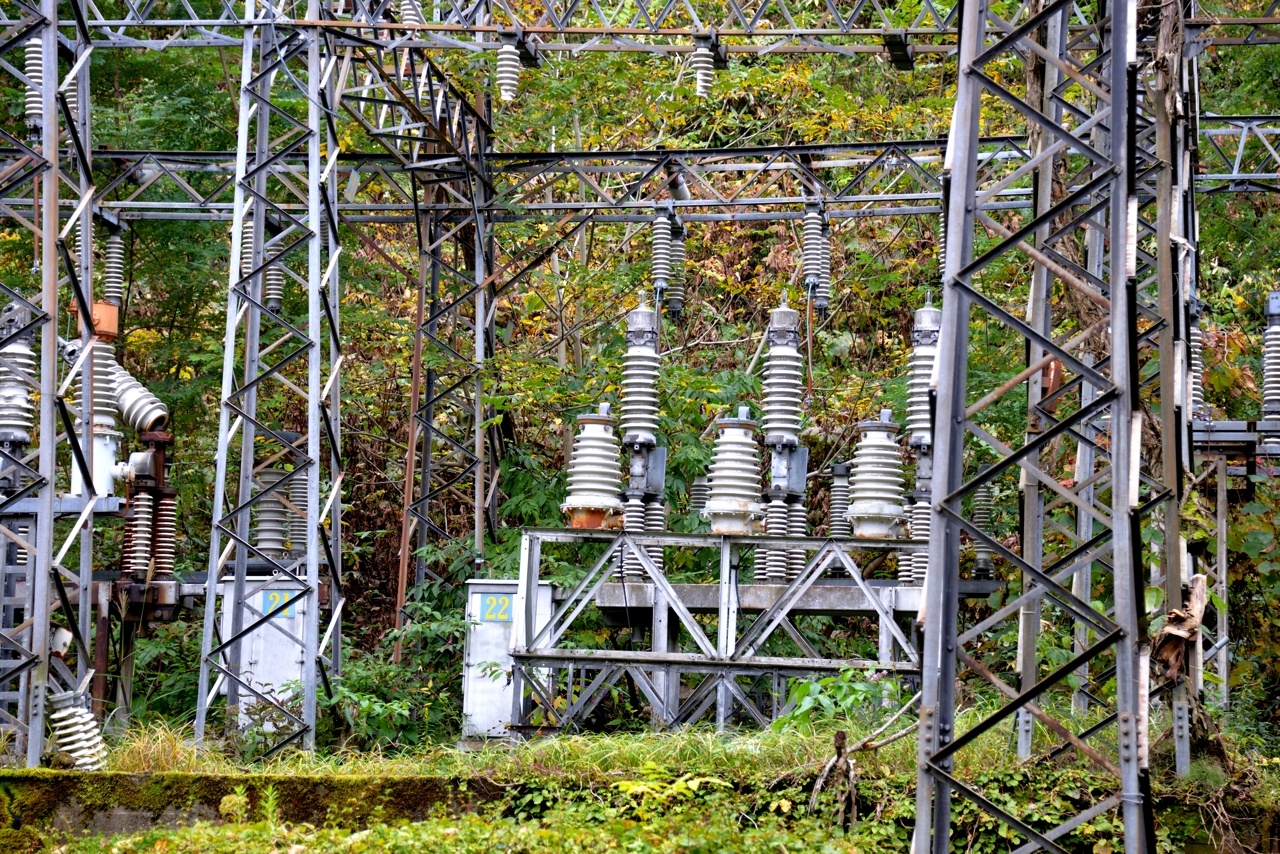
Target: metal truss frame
(564,685)
(281,65)
(1129,211)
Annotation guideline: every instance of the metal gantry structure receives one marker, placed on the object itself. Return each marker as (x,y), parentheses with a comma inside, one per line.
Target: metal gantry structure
(1112,98)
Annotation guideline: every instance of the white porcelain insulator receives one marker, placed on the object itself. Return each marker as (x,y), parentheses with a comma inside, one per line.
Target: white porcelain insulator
(983,566)
(76,731)
(33,65)
(783,379)
(141,524)
(139,408)
(822,295)
(924,352)
(270,522)
(273,288)
(875,493)
(839,522)
(655,522)
(632,520)
(675,284)
(698,493)
(797,526)
(775,525)
(919,561)
(733,503)
(411,12)
(595,469)
(703,65)
(298,524)
(246,248)
(1195,369)
(166,534)
(20,553)
(113,269)
(640,379)
(811,252)
(17,403)
(105,384)
(661,267)
(508,72)
(1271,369)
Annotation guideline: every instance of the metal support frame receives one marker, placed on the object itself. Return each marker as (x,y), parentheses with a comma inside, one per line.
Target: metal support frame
(1102,68)
(283,65)
(735,671)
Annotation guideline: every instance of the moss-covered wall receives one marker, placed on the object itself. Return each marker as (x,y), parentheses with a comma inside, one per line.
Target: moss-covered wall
(33,802)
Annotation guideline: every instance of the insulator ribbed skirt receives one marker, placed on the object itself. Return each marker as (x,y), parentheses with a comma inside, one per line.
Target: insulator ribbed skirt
(703,65)
(76,732)
(105,385)
(775,525)
(661,266)
(1271,370)
(270,524)
(811,252)
(508,72)
(655,522)
(33,65)
(640,393)
(165,535)
(141,524)
(675,284)
(838,524)
(595,471)
(877,471)
(139,408)
(298,524)
(113,273)
(698,493)
(797,526)
(783,384)
(632,520)
(17,404)
(983,566)
(920,522)
(1195,368)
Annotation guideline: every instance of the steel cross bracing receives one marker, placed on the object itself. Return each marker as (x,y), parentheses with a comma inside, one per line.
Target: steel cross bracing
(50,165)
(1081,99)
(288,77)
(729,671)
(900,177)
(842,27)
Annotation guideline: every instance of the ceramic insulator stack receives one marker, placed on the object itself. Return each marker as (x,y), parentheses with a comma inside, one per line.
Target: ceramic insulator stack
(298,524)
(838,525)
(138,407)
(983,566)
(33,65)
(655,522)
(270,523)
(919,561)
(141,523)
(698,494)
(924,351)
(508,72)
(703,64)
(165,535)
(776,524)
(797,526)
(733,503)
(675,284)
(875,495)
(113,269)
(76,730)
(661,265)
(1271,359)
(595,474)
